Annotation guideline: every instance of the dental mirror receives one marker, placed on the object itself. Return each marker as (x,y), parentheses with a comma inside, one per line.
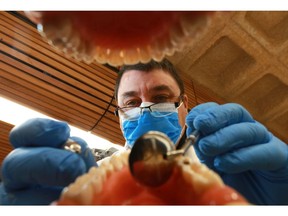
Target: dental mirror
(151,159)
(146,160)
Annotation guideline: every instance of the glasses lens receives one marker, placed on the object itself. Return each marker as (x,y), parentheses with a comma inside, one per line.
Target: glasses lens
(163,109)
(157,110)
(132,114)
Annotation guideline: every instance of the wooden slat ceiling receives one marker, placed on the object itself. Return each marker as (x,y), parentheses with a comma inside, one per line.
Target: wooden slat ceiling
(5,147)
(33,74)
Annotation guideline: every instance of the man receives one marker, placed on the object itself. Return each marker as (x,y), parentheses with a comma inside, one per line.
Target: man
(151,97)
(144,85)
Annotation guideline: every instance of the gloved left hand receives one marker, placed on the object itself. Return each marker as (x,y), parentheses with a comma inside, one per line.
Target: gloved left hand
(39,167)
(246,155)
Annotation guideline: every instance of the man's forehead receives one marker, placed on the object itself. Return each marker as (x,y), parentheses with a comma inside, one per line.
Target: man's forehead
(154,76)
(152,81)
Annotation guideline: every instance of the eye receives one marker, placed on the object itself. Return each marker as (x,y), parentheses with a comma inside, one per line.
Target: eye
(161,98)
(132,103)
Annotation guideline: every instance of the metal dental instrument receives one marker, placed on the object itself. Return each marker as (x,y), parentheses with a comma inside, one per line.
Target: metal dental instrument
(151,159)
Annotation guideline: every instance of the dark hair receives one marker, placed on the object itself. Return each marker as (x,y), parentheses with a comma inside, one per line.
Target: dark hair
(165,65)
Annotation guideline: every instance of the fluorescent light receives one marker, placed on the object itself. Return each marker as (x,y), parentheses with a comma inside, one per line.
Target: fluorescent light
(16,114)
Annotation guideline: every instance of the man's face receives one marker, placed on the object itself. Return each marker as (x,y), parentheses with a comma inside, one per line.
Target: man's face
(153,86)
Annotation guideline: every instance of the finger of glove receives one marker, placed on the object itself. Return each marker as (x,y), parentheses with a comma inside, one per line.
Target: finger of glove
(32,196)
(233,137)
(195,112)
(40,132)
(209,161)
(26,167)
(218,117)
(86,153)
(266,157)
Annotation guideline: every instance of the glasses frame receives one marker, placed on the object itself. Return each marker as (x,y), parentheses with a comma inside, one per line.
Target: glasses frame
(177,104)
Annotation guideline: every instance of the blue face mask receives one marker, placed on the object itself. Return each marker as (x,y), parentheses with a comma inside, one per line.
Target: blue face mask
(168,124)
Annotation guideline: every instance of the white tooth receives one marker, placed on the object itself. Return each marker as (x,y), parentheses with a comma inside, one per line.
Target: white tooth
(86,194)
(97,184)
(97,177)
(88,59)
(92,170)
(119,160)
(71,192)
(80,191)
(85,187)
(143,54)
(74,41)
(82,179)
(124,157)
(198,175)
(198,182)
(107,167)
(97,173)
(88,185)
(207,173)
(116,162)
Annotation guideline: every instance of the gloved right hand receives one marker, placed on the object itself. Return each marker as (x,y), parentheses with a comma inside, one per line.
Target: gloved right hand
(242,151)
(37,170)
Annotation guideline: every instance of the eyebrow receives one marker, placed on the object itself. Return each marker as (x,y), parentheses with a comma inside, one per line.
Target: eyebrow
(154,89)
(129,94)
(162,88)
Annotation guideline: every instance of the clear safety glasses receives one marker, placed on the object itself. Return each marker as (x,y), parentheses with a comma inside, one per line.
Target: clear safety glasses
(156,110)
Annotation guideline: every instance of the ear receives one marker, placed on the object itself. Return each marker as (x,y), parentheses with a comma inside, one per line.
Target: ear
(185,101)
(120,124)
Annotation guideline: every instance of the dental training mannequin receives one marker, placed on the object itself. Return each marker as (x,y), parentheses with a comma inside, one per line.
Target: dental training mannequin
(151,96)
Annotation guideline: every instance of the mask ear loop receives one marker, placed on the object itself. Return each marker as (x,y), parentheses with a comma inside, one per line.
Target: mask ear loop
(181,140)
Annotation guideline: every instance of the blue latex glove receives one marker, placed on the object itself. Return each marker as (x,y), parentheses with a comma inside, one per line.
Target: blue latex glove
(37,170)
(245,154)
